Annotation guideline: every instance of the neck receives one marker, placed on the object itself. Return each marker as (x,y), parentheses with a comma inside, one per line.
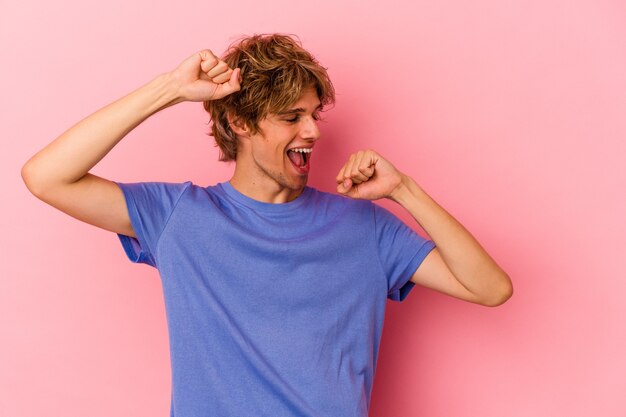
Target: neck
(260,187)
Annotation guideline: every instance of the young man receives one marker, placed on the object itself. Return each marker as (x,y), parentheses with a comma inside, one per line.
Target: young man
(275,292)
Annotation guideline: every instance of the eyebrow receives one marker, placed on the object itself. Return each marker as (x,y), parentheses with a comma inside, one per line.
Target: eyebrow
(298,110)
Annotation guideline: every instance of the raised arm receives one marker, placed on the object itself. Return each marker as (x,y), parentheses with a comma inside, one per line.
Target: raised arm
(59,173)
(458,266)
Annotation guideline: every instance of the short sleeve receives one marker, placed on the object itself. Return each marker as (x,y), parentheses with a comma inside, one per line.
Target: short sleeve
(401,251)
(150,205)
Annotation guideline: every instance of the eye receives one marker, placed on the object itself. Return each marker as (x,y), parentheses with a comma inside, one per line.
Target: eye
(316,116)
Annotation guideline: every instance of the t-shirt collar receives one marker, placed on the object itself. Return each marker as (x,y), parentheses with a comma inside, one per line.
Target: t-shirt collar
(263,206)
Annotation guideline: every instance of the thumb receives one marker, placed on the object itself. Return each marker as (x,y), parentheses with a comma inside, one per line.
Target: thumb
(234,83)
(346,187)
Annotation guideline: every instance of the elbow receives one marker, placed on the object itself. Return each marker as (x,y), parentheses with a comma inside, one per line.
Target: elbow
(30,177)
(27,177)
(500,296)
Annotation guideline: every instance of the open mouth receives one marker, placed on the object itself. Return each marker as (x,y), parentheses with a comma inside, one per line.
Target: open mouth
(300,158)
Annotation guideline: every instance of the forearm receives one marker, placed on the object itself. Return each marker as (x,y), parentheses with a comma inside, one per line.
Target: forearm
(467,260)
(70,156)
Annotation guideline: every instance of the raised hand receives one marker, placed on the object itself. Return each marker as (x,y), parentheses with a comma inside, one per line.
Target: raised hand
(368,176)
(203,76)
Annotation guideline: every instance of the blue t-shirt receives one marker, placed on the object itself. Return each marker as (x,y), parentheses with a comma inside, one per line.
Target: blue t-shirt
(273,309)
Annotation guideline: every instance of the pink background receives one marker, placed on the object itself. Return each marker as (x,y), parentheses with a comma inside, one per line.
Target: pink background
(511,114)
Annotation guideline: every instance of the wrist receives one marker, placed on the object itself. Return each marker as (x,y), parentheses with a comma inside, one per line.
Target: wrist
(402,193)
(165,89)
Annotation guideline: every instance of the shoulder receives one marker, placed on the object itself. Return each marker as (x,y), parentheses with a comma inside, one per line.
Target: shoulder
(153,191)
(170,193)
(193,189)
(194,194)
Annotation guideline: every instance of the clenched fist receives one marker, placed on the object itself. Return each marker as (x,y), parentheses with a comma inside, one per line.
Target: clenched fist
(203,76)
(368,176)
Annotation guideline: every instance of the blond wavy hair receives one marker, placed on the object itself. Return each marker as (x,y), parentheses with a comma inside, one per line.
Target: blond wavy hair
(275,70)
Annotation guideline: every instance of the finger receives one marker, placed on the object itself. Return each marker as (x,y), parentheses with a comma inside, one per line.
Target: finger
(222,78)
(355,173)
(208,60)
(218,69)
(348,168)
(235,80)
(343,172)
(352,191)
(339,178)
(231,86)
(344,186)
(209,64)
(365,166)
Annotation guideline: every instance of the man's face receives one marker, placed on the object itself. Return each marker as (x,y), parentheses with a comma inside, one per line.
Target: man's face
(271,150)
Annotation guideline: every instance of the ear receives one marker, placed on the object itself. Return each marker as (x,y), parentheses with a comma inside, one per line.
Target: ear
(237,125)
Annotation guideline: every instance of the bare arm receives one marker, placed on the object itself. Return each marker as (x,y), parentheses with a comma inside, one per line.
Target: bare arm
(59,173)
(458,266)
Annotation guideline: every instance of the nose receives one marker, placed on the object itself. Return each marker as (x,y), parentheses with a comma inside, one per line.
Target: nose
(310,129)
